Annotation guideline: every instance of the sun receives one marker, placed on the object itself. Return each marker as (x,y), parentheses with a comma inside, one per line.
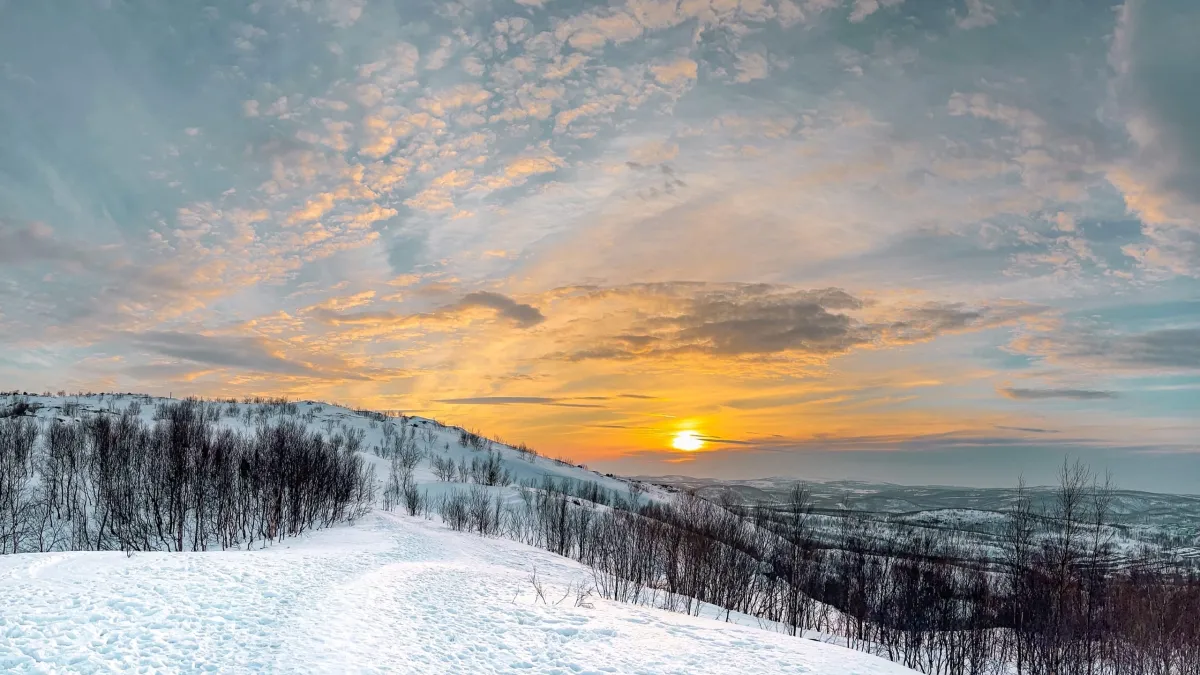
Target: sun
(687,441)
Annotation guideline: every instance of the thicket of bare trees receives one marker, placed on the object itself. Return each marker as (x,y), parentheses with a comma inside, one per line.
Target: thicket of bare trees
(112,481)
(1058,602)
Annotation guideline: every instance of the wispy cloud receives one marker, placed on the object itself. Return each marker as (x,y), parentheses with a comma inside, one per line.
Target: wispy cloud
(1040,394)
(516,400)
(242,353)
(519,314)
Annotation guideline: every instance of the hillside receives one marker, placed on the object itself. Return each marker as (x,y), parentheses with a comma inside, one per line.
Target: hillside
(387,593)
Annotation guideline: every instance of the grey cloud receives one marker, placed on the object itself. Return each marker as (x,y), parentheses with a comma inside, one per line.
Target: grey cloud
(163,372)
(931,320)
(1157,59)
(637,340)
(1160,86)
(658,179)
(760,319)
(23,243)
(497,400)
(245,353)
(601,354)
(90,289)
(725,441)
(924,443)
(36,242)
(1167,348)
(523,315)
(730,325)
(936,318)
(744,319)
(516,400)
(1031,430)
(1041,394)
(1163,349)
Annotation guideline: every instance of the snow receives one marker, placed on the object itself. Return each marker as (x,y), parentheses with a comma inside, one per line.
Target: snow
(330,419)
(389,594)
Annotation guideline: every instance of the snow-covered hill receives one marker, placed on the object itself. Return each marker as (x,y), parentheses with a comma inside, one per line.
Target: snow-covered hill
(389,593)
(431,437)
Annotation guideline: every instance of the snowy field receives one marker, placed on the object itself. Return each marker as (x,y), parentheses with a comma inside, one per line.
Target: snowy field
(388,594)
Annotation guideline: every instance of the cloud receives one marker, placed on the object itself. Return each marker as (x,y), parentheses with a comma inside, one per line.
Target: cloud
(732,320)
(982,106)
(1166,349)
(724,320)
(1031,430)
(28,243)
(1154,56)
(747,325)
(751,66)
(243,353)
(520,169)
(979,14)
(523,315)
(864,8)
(516,400)
(504,307)
(86,288)
(675,72)
(927,321)
(1041,394)
(447,100)
(365,217)
(1157,63)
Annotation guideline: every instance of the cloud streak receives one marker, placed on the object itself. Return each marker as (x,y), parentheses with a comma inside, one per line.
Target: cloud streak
(516,400)
(1043,394)
(503,307)
(240,353)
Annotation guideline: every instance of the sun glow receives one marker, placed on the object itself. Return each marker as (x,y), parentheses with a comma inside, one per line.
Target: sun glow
(687,441)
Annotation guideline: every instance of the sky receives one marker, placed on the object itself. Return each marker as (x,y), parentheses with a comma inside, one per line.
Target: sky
(895,240)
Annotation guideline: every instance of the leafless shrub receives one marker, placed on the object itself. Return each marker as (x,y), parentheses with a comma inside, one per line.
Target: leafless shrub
(443,468)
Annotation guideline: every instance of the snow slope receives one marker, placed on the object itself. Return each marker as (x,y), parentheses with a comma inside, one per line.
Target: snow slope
(388,594)
(331,420)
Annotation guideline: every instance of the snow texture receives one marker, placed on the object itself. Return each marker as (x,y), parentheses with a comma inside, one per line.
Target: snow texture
(388,594)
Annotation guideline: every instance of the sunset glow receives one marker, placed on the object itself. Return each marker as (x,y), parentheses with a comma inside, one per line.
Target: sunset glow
(897,240)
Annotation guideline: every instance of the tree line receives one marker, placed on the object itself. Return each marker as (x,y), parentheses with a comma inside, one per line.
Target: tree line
(181,482)
(1059,600)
